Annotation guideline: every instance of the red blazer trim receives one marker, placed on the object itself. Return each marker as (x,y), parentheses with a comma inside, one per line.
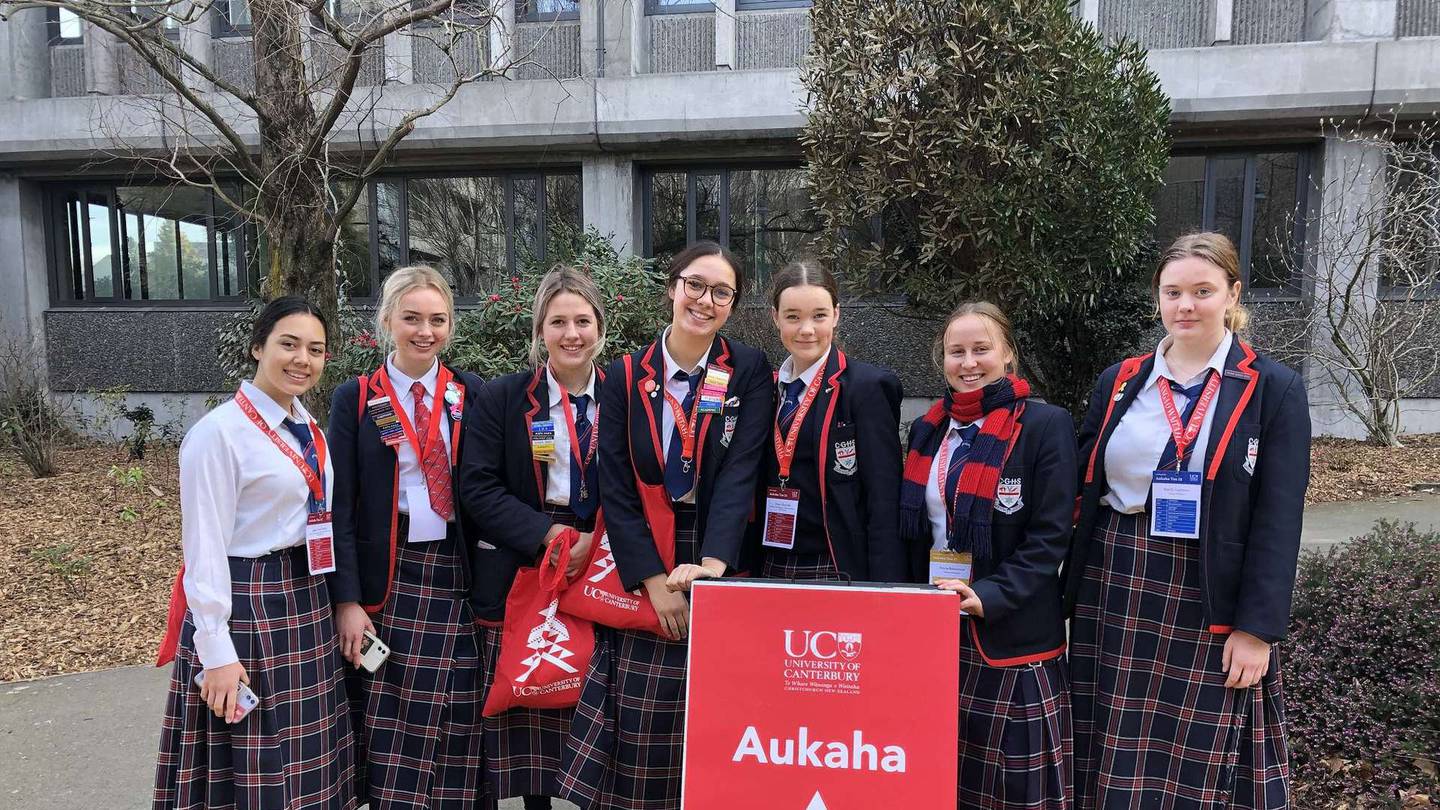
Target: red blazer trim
(1012,662)
(376,389)
(535,382)
(1246,365)
(1222,629)
(834,383)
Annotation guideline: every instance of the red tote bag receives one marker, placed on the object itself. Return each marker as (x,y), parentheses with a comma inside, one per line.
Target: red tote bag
(598,595)
(544,651)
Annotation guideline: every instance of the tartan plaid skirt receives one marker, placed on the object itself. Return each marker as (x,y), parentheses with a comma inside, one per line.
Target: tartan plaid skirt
(627,737)
(422,736)
(1015,740)
(294,750)
(523,746)
(1155,726)
(800,567)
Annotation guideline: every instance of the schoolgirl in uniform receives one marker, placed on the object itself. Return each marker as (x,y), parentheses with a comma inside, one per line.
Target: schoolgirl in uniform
(1183,559)
(255,495)
(986,507)
(536,479)
(834,459)
(683,424)
(401,555)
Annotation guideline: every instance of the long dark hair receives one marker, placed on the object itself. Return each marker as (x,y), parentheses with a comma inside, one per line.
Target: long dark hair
(283,307)
(804,272)
(705,247)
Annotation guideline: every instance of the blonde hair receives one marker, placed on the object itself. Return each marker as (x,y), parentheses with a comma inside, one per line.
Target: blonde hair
(1217,249)
(564,278)
(401,282)
(981,309)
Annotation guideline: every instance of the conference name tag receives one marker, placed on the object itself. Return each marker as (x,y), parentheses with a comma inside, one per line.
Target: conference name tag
(1175,504)
(542,440)
(712,390)
(782,505)
(946,564)
(320,542)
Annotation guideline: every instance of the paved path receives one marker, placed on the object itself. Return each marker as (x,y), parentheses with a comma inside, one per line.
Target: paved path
(89,741)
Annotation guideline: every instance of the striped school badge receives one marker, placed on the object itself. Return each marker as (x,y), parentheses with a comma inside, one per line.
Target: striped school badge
(845,457)
(1007,496)
(729,433)
(1252,452)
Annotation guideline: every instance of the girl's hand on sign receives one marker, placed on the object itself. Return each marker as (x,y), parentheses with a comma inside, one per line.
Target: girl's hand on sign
(672,608)
(1246,660)
(351,622)
(685,575)
(970,603)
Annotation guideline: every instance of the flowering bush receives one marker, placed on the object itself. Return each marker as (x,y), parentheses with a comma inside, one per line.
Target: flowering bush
(1362,669)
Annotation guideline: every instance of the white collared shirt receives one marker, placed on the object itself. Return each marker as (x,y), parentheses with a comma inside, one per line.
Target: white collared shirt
(1139,439)
(787,369)
(934,501)
(239,497)
(410,473)
(679,389)
(557,472)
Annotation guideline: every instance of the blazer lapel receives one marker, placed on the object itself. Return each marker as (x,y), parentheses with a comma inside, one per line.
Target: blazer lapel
(1236,387)
(650,393)
(535,391)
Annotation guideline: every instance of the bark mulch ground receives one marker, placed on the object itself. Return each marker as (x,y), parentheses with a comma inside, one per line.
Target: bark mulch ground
(87,557)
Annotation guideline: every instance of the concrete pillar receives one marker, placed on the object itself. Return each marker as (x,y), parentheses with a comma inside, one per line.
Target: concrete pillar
(727,35)
(610,197)
(102,62)
(399,58)
(1222,19)
(619,42)
(1088,11)
(25,48)
(195,40)
(24,281)
(639,37)
(1340,20)
(502,34)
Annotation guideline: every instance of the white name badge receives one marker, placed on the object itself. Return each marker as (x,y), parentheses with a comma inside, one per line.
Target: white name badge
(1175,504)
(425,525)
(320,543)
(782,505)
(945,564)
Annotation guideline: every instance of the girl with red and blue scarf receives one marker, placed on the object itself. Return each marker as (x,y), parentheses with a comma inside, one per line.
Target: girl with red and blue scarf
(985,511)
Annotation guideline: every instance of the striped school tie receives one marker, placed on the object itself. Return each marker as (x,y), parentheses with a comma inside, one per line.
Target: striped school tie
(583,508)
(794,392)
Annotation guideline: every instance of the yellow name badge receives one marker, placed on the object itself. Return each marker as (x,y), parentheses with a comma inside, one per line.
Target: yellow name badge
(946,564)
(542,440)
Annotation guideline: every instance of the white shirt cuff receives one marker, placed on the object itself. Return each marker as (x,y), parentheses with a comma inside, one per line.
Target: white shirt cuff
(215,650)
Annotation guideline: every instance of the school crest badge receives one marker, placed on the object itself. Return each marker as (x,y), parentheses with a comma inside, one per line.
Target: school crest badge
(1252,452)
(729,432)
(845,457)
(1007,496)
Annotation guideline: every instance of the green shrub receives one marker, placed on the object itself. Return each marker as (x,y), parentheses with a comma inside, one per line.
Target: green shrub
(1362,671)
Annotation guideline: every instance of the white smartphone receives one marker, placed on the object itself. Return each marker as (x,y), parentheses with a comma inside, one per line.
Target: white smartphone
(373,652)
(244,697)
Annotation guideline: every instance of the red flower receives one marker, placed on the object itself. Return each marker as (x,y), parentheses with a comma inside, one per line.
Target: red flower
(494,297)
(620,298)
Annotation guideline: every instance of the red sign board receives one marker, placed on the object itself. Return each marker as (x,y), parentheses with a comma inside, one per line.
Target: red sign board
(819,697)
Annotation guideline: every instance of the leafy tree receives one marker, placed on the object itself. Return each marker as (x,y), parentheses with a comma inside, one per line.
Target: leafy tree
(1007,154)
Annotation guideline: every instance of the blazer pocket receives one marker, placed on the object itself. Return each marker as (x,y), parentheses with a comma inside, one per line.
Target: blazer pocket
(842,451)
(1244,452)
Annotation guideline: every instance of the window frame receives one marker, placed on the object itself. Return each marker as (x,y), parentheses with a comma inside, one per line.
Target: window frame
(655,8)
(61,246)
(223,28)
(771,5)
(1293,288)
(53,28)
(525,13)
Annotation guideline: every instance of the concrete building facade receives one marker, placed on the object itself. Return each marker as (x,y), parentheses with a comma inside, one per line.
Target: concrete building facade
(657,122)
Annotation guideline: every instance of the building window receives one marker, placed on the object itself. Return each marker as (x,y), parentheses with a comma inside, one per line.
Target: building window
(116,244)
(763,214)
(546,10)
(1410,247)
(63,27)
(1258,199)
(678,6)
(233,18)
(474,229)
(767,5)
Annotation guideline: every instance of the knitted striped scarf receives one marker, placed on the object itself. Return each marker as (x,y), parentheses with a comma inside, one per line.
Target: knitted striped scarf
(1001,403)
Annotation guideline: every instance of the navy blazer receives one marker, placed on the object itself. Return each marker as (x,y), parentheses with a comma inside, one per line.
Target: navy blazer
(1249,513)
(366,503)
(854,424)
(1020,584)
(731,447)
(503,486)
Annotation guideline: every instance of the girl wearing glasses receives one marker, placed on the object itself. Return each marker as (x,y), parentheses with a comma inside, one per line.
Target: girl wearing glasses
(834,455)
(683,424)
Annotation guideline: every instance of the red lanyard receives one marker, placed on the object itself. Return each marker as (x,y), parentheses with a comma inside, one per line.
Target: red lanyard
(686,428)
(785,448)
(1185,435)
(442,380)
(313,479)
(575,454)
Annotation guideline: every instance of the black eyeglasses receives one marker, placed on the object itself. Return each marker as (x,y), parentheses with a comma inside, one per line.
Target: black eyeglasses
(722,294)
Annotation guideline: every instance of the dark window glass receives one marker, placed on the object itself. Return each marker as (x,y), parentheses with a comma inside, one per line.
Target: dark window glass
(457,225)
(1272,236)
(667,216)
(563,226)
(353,248)
(707,207)
(678,6)
(1228,180)
(527,221)
(544,10)
(388,221)
(1180,204)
